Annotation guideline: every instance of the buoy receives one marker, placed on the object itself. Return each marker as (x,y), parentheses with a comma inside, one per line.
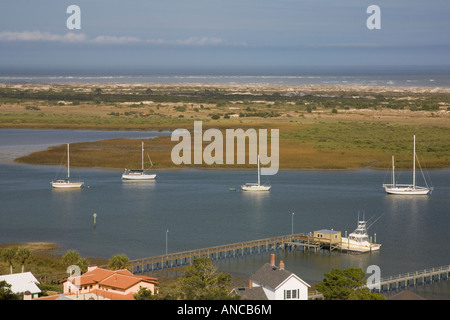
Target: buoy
(95,219)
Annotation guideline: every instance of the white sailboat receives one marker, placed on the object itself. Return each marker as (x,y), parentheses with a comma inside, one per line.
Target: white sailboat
(407,189)
(66,183)
(138,174)
(251,186)
(359,240)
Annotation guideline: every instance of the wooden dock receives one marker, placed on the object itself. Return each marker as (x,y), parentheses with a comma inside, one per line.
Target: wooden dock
(306,242)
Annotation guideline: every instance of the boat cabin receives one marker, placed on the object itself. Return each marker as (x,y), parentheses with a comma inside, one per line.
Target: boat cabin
(334,237)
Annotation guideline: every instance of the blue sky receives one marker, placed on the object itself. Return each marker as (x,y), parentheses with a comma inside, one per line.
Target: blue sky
(176,33)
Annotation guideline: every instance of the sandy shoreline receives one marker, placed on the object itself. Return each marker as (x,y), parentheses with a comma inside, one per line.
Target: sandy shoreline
(231,86)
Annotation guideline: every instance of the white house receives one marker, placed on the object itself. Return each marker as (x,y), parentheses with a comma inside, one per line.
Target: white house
(22,282)
(273,282)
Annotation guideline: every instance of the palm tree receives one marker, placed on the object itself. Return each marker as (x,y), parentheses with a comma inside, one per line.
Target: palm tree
(71,257)
(23,254)
(83,263)
(119,261)
(8,255)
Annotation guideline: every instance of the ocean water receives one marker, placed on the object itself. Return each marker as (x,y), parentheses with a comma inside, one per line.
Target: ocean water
(191,209)
(395,76)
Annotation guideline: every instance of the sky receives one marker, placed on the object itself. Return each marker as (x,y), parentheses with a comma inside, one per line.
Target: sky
(223,33)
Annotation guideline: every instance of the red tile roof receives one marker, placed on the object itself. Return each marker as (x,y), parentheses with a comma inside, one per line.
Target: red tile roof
(120,279)
(113,295)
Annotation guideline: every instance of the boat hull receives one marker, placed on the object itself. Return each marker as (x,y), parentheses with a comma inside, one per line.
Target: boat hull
(138,176)
(354,246)
(255,188)
(66,185)
(408,190)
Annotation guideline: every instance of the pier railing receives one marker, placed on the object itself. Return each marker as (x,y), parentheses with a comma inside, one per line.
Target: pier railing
(414,278)
(172,260)
(397,282)
(273,244)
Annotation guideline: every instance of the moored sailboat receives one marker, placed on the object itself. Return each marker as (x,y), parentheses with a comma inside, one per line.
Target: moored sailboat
(251,186)
(407,189)
(138,174)
(66,183)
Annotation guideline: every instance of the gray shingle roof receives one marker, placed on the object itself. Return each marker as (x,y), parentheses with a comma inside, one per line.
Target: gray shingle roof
(270,276)
(256,293)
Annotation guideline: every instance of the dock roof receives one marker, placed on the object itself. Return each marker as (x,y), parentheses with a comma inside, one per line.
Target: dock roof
(328,231)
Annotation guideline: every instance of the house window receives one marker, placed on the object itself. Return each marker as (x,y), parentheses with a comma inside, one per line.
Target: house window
(291,294)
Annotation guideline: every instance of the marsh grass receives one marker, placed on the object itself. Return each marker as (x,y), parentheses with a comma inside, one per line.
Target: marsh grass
(320,128)
(44,263)
(312,145)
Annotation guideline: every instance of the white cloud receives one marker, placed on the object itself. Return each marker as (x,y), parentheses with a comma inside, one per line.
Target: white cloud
(24,36)
(193,41)
(199,41)
(41,36)
(115,40)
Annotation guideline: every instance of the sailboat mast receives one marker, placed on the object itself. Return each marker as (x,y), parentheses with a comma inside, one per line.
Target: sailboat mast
(68,162)
(258,172)
(142,155)
(414,163)
(393,172)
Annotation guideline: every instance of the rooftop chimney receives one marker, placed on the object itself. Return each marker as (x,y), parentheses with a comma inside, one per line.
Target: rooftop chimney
(27,295)
(281,265)
(272,259)
(92,267)
(250,284)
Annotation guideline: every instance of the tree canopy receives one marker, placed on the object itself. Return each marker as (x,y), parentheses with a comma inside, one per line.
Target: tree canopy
(72,257)
(6,293)
(202,281)
(9,255)
(119,261)
(23,255)
(346,284)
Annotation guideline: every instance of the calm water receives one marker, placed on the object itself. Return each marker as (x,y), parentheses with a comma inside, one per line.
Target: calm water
(198,210)
(16,143)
